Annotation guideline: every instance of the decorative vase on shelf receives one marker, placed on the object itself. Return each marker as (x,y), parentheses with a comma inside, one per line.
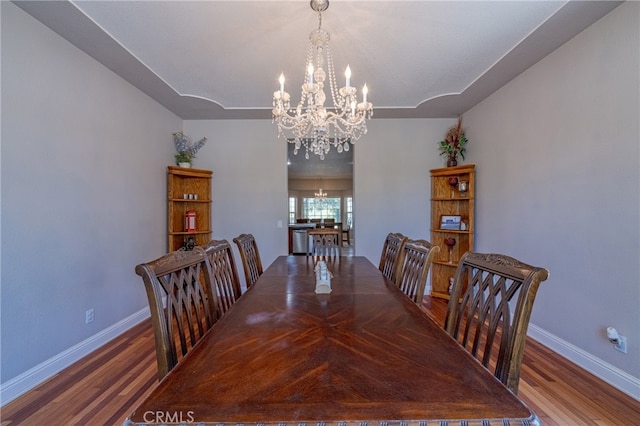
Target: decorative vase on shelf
(452,160)
(185,165)
(453,182)
(450,242)
(463,187)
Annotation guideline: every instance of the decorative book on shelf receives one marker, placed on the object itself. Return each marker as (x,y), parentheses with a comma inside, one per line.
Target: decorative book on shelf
(188,207)
(452,222)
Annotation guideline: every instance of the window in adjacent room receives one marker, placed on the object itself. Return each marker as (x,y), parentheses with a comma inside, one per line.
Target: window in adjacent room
(348,206)
(327,208)
(292,209)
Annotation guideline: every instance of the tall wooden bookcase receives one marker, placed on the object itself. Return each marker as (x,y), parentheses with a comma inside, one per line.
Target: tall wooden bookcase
(452,216)
(188,192)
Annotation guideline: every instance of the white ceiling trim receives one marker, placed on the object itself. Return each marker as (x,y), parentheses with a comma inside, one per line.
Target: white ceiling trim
(90,34)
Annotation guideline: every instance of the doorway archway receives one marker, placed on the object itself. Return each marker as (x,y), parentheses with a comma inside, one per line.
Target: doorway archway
(333,177)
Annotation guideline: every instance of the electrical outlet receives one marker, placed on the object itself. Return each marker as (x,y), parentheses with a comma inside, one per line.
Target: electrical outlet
(89,316)
(622,344)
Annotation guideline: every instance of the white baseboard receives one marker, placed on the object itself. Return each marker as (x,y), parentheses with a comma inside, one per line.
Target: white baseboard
(599,368)
(612,375)
(26,381)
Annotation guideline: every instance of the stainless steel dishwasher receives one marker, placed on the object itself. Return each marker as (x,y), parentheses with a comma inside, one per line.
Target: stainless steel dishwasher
(299,241)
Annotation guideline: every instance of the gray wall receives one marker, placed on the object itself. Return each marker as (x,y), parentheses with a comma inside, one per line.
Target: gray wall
(249,181)
(83,171)
(558,184)
(391,180)
(83,176)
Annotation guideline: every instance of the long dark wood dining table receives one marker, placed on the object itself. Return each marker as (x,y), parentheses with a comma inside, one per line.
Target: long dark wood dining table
(362,355)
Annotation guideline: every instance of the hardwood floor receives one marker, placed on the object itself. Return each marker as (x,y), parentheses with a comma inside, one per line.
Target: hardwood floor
(560,392)
(104,387)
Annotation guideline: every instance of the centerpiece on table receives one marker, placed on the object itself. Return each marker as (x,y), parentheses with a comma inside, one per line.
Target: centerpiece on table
(186,149)
(454,144)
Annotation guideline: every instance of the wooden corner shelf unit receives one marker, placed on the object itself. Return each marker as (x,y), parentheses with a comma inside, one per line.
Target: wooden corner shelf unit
(188,190)
(449,198)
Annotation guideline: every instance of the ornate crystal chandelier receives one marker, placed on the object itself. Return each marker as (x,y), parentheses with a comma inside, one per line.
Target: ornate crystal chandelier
(312,125)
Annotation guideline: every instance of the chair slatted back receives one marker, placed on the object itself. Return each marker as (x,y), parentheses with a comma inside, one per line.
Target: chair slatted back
(325,244)
(224,275)
(250,256)
(391,251)
(413,268)
(489,310)
(181,301)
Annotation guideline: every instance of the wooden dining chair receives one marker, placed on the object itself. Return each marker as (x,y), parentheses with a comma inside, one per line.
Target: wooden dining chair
(325,244)
(224,275)
(489,309)
(391,251)
(413,268)
(250,256)
(182,303)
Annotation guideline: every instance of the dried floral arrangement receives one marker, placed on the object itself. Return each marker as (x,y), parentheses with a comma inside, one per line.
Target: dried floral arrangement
(454,143)
(186,149)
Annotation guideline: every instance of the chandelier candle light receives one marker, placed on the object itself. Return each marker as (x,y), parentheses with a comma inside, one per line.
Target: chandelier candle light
(312,125)
(321,195)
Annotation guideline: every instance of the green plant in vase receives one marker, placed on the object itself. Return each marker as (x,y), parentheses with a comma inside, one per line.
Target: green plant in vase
(454,144)
(186,149)
(183,157)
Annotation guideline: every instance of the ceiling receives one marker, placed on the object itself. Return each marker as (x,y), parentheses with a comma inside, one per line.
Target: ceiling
(222,59)
(334,166)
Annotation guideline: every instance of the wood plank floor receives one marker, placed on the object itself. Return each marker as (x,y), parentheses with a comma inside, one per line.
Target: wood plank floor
(104,387)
